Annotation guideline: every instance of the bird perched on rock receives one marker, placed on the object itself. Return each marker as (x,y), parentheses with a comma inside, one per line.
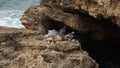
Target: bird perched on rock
(62,31)
(69,36)
(52,33)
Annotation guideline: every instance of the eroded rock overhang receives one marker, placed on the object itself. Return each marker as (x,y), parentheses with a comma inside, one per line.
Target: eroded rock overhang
(83,16)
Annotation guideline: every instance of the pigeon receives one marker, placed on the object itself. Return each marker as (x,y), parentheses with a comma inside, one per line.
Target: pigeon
(52,33)
(69,36)
(62,31)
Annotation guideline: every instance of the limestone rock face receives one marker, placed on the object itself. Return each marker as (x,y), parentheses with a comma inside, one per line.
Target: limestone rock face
(95,19)
(90,19)
(96,8)
(32,21)
(21,48)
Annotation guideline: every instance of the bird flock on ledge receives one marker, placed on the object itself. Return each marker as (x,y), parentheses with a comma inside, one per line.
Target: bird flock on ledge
(59,35)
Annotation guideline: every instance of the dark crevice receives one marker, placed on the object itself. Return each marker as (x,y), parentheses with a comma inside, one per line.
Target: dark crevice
(106,50)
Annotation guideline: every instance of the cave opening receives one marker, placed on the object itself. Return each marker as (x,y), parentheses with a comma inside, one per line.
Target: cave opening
(50,24)
(106,50)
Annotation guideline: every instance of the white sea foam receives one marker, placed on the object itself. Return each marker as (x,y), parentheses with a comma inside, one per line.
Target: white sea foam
(12,10)
(11,18)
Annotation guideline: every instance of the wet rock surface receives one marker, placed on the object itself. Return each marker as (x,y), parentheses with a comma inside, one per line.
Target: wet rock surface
(22,48)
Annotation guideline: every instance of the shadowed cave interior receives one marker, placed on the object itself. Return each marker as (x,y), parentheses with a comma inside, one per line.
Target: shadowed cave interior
(105,51)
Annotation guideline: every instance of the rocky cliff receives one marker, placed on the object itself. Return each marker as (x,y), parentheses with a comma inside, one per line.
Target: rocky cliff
(21,48)
(96,23)
(98,20)
(90,19)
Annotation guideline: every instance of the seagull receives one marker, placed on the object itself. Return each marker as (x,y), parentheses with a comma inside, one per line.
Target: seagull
(62,31)
(69,36)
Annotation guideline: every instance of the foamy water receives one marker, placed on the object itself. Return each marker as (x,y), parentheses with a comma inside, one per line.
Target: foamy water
(12,10)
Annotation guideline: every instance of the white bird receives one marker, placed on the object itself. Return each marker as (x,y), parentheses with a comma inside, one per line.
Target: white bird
(52,33)
(62,31)
(69,36)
